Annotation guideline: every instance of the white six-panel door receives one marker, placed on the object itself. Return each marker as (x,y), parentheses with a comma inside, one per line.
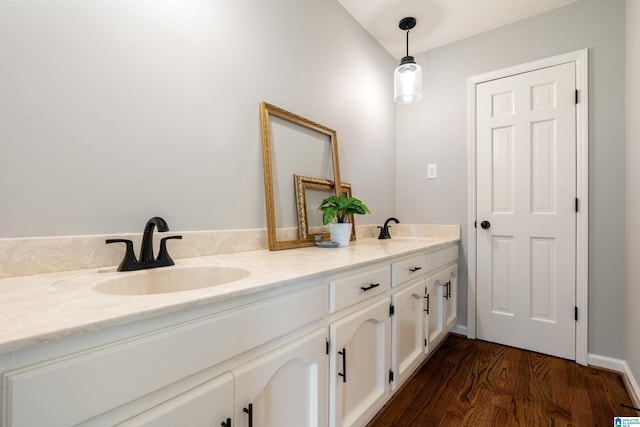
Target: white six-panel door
(526,220)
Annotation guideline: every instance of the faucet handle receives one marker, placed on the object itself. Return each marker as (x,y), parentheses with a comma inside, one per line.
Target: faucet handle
(129,262)
(163,258)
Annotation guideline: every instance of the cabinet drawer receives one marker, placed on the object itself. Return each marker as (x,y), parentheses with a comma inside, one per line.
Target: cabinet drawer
(351,289)
(436,260)
(405,269)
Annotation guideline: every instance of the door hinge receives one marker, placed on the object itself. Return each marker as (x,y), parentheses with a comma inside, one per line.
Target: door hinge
(576,204)
(390,376)
(392,310)
(425,342)
(576,96)
(327,346)
(576,312)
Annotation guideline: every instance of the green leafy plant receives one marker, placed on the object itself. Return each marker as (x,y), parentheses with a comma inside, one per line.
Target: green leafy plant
(340,207)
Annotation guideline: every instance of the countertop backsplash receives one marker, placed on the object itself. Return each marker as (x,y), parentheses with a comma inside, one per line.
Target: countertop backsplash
(38,255)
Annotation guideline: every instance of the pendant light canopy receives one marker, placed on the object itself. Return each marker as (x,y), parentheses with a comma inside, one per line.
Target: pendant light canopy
(407,79)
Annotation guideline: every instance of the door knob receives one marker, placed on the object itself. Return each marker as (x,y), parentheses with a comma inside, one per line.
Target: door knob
(485,224)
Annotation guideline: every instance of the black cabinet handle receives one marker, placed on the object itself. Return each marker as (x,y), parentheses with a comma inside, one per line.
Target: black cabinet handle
(371,286)
(447,292)
(226,423)
(414,269)
(249,411)
(427,298)
(344,365)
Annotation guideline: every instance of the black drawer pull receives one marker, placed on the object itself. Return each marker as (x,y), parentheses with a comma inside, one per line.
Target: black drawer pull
(344,365)
(249,411)
(227,423)
(427,298)
(447,294)
(371,286)
(414,269)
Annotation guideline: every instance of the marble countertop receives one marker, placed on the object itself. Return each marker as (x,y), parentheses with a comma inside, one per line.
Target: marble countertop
(42,308)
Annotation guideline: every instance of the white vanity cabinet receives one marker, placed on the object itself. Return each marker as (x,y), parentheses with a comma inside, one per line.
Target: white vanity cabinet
(441,295)
(287,387)
(450,296)
(360,343)
(380,329)
(121,379)
(407,317)
(323,350)
(407,330)
(360,364)
(424,300)
(435,310)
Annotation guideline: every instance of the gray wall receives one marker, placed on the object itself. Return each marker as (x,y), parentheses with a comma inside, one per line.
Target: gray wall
(114,111)
(435,130)
(633,185)
(111,112)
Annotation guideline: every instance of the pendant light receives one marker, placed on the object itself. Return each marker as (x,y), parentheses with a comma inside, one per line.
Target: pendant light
(407,79)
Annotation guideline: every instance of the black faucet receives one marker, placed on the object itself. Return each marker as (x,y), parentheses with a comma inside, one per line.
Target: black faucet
(146,249)
(130,262)
(384,230)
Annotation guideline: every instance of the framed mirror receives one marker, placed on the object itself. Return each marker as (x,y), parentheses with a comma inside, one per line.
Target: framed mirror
(292,145)
(310,192)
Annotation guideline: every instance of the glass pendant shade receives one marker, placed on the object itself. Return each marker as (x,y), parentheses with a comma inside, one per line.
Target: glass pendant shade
(407,82)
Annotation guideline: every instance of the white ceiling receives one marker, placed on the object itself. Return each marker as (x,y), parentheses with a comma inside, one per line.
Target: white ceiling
(439,21)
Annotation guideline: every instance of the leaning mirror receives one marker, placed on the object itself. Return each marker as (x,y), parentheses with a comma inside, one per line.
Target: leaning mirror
(310,192)
(292,145)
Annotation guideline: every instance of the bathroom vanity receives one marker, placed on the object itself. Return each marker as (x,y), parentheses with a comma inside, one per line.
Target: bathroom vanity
(309,337)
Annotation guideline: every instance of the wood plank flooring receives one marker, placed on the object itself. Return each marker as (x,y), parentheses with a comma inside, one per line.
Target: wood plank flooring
(476,383)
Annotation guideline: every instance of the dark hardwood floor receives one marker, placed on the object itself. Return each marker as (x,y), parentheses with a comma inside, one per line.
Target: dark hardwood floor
(476,383)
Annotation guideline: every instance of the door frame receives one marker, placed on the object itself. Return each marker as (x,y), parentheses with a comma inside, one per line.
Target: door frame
(581,59)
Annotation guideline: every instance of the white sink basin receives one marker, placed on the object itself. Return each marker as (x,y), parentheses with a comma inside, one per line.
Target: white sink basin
(169,279)
(176,278)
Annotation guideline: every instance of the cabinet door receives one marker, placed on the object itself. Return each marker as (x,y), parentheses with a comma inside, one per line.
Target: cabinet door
(209,404)
(287,387)
(435,295)
(451,297)
(360,365)
(407,331)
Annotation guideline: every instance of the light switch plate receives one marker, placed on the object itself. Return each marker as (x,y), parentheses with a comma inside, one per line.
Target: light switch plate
(432,171)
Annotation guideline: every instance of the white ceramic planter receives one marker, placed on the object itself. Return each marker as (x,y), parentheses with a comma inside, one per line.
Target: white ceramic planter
(340,233)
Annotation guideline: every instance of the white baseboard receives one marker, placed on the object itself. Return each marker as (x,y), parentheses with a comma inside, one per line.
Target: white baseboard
(605,362)
(632,385)
(460,330)
(619,366)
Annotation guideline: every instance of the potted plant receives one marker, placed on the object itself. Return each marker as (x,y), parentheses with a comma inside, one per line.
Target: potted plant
(340,208)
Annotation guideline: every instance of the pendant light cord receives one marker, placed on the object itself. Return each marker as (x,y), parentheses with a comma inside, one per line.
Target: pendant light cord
(407,42)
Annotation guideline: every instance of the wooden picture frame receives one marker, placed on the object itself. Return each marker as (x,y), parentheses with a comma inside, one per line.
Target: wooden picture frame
(309,193)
